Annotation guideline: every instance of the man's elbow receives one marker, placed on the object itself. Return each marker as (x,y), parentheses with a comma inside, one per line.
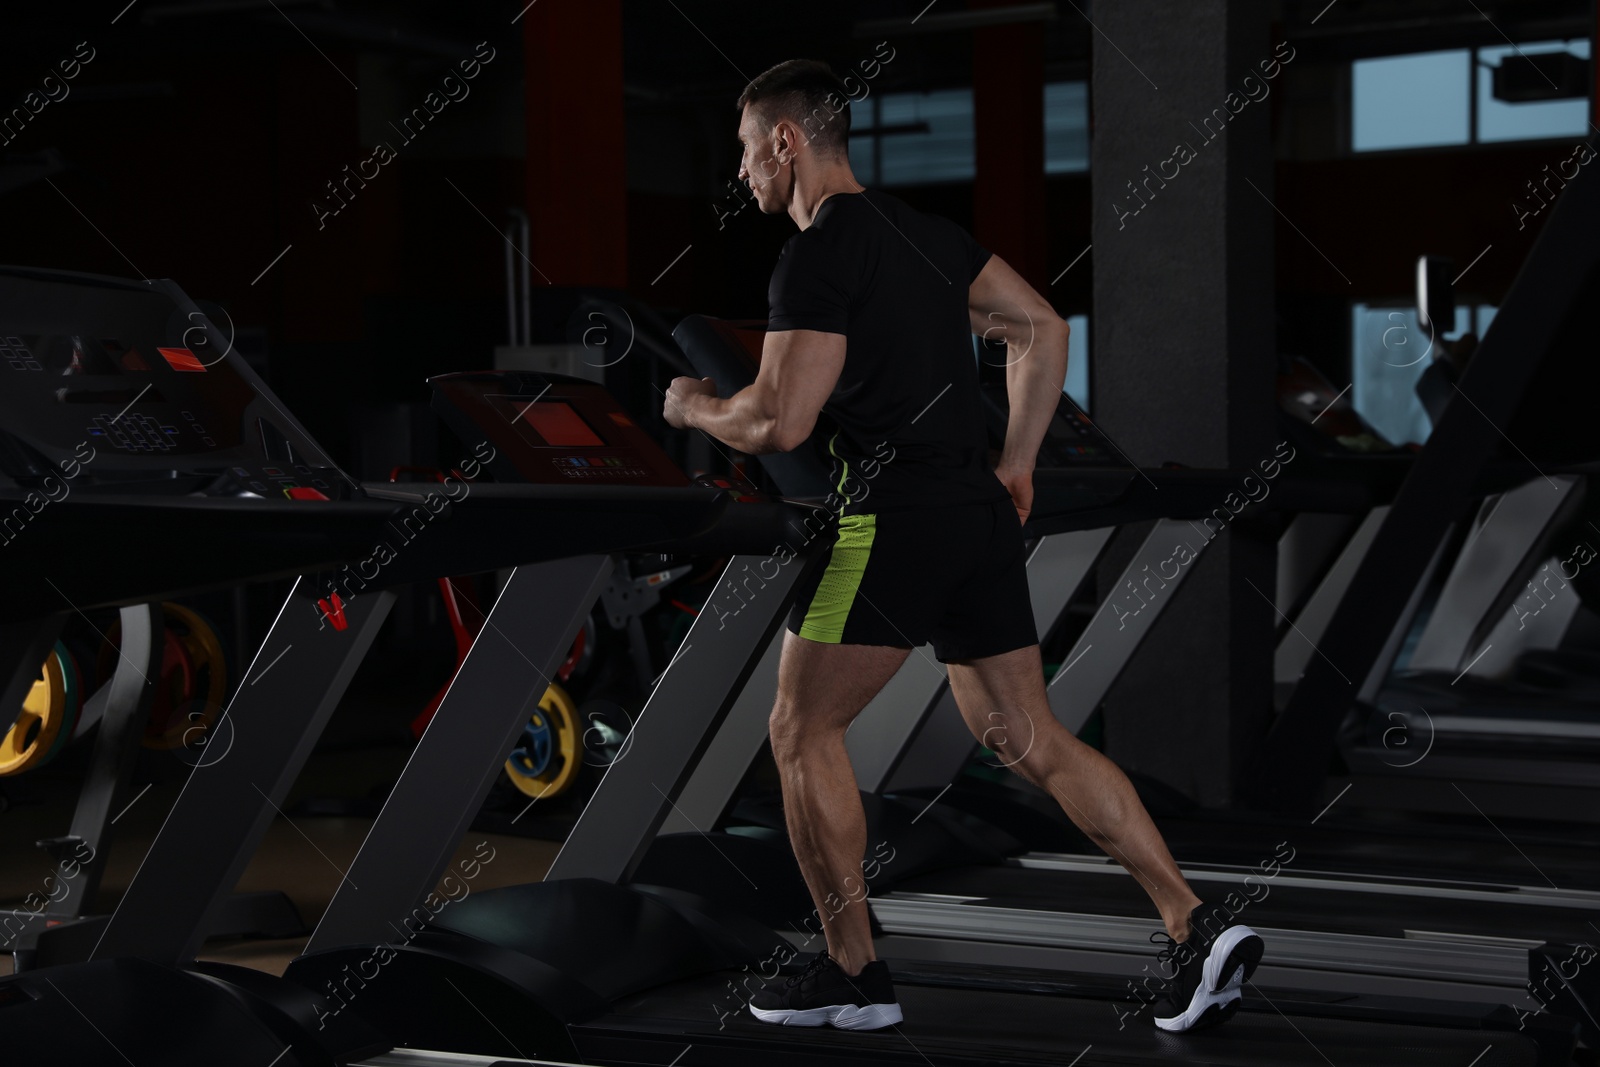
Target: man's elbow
(1048,337)
(787,434)
(1055,336)
(786,439)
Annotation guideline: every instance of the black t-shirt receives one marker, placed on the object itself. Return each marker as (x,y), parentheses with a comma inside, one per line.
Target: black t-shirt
(909,427)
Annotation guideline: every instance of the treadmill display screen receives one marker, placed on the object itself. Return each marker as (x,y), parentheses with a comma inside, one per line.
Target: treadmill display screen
(551,430)
(182,359)
(557,424)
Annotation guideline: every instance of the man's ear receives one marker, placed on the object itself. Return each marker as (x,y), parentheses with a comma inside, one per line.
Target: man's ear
(783,134)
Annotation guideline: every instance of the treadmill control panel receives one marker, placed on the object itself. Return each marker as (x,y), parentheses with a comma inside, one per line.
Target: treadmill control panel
(121,394)
(280,480)
(622,468)
(126,384)
(1072,439)
(550,429)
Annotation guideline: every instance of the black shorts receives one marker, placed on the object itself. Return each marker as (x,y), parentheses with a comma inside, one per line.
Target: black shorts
(955,577)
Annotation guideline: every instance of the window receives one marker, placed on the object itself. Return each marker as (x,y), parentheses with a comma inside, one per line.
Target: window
(1500,121)
(1485,315)
(1447,98)
(1066,128)
(912,138)
(1410,101)
(1389,352)
(1077,384)
(925,138)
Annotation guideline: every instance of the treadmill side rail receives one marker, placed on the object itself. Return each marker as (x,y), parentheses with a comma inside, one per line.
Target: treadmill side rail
(1084,679)
(255,752)
(680,720)
(715,779)
(1488,574)
(128,698)
(523,641)
(1299,640)
(927,749)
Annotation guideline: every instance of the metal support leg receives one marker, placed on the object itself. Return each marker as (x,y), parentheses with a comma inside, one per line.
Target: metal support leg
(678,724)
(128,697)
(1299,642)
(1147,585)
(1505,544)
(717,775)
(912,734)
(254,754)
(527,634)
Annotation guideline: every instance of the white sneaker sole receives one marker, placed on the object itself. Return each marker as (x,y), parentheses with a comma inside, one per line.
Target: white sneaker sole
(1220,1004)
(843,1016)
(1217,999)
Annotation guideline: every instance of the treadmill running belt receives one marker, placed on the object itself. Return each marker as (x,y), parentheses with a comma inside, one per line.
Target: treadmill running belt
(1568,856)
(679,1024)
(1372,913)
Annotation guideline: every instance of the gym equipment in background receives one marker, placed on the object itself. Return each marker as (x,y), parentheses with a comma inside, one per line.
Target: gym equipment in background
(589,465)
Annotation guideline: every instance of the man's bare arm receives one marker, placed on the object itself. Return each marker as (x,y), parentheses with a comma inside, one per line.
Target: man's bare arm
(776,412)
(1002,306)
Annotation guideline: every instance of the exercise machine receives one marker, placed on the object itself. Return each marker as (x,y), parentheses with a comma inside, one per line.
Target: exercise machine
(597,963)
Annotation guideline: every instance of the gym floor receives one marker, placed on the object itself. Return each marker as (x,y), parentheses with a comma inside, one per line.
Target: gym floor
(302,856)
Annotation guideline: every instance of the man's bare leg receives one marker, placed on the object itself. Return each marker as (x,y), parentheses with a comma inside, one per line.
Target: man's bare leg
(821,689)
(1002,698)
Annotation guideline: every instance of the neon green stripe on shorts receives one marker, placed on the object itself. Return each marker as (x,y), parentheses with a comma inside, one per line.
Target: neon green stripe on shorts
(836,592)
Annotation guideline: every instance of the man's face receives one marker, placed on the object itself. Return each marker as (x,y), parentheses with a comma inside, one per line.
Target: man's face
(759,167)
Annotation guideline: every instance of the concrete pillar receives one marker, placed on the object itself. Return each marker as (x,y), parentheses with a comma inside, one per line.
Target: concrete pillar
(1183,348)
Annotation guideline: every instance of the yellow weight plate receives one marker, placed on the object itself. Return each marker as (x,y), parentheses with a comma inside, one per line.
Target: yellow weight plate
(31,739)
(562,716)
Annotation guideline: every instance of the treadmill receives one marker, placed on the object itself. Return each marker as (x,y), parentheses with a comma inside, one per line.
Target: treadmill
(134,467)
(597,963)
(1447,933)
(242,491)
(1524,401)
(1443,935)
(941,906)
(1413,926)
(1501,680)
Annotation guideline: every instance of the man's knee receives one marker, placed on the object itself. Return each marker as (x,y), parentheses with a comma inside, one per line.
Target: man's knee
(795,727)
(788,729)
(1028,750)
(1028,764)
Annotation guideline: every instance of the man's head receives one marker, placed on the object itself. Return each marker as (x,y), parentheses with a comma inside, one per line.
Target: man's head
(794,116)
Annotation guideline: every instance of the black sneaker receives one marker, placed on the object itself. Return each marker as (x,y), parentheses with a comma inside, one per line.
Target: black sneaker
(823,993)
(1205,972)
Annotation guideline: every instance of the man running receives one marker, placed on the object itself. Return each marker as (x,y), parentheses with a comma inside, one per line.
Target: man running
(872,308)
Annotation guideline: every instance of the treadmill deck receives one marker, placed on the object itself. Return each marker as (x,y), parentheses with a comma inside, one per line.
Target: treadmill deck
(679,1024)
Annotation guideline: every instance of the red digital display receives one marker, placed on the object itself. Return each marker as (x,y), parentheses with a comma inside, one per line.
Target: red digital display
(182,359)
(558,424)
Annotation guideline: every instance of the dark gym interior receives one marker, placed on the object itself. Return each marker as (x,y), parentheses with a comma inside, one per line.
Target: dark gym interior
(363,737)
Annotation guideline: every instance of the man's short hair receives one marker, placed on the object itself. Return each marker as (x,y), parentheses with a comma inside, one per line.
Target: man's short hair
(807,93)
